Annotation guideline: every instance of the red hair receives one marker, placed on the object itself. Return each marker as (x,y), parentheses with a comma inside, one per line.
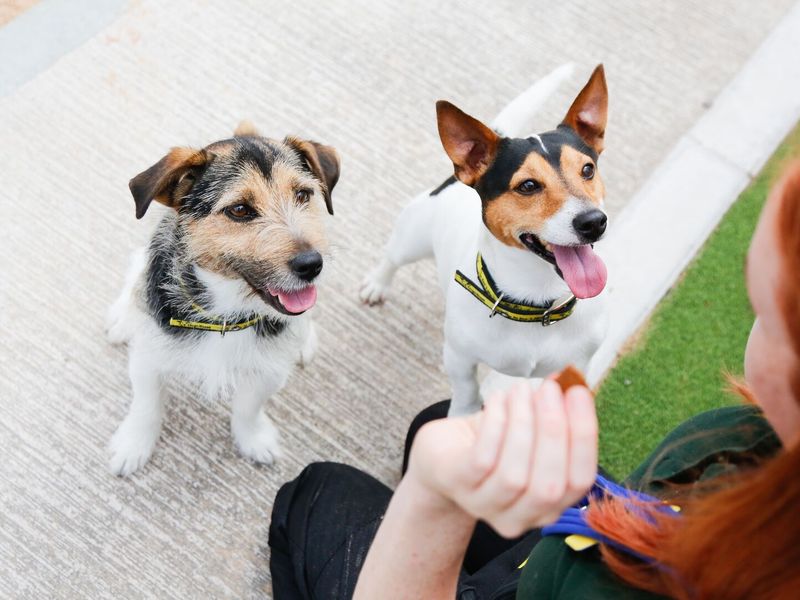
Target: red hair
(741,540)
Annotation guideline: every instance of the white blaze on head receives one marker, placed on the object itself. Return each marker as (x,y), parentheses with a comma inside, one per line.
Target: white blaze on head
(541,143)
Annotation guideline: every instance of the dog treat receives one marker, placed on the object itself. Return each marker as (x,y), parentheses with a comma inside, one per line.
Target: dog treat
(569,377)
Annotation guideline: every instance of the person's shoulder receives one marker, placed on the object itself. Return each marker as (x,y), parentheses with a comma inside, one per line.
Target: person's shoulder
(709,444)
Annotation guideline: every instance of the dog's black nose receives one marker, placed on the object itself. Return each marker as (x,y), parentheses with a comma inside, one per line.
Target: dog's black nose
(590,225)
(306,265)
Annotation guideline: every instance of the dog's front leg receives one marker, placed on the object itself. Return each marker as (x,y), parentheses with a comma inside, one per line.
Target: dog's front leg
(121,319)
(462,372)
(310,345)
(253,432)
(133,442)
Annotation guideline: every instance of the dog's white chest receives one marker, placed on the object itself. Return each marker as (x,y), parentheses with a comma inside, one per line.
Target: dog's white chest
(219,363)
(522,349)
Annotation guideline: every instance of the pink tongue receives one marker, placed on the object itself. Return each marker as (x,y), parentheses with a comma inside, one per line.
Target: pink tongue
(300,301)
(584,271)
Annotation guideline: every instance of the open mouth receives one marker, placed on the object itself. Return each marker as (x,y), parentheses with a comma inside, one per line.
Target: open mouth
(290,303)
(539,248)
(584,272)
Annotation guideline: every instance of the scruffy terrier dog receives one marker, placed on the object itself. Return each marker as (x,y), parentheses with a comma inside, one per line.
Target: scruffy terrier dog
(220,295)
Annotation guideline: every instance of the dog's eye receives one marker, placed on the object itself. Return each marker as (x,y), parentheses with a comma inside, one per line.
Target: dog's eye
(528,187)
(302,196)
(587,172)
(240,212)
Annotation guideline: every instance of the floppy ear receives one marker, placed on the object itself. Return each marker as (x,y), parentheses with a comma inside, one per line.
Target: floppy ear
(471,145)
(169,180)
(246,128)
(589,112)
(323,161)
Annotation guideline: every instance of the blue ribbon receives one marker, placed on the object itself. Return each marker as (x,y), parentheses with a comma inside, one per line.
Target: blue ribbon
(573,520)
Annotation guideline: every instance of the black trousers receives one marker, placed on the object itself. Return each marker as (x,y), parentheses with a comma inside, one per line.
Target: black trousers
(324,521)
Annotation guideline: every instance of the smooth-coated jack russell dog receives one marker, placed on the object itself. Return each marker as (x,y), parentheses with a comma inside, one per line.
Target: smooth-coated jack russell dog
(512,234)
(220,295)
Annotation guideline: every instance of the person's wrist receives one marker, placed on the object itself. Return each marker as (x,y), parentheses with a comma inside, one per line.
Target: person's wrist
(426,499)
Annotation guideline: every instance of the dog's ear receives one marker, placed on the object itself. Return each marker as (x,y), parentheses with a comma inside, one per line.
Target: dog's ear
(169,180)
(471,145)
(246,129)
(589,112)
(323,161)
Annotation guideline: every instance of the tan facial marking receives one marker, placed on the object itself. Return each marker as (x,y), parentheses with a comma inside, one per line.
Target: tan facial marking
(283,228)
(572,162)
(511,213)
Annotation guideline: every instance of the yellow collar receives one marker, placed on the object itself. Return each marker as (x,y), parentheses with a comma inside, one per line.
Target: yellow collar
(211,322)
(222,326)
(488,294)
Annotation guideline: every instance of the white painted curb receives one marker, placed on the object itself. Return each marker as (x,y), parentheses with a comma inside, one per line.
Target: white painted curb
(669,219)
(37,38)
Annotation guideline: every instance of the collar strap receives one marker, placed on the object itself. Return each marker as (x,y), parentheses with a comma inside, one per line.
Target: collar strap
(487,293)
(222,326)
(211,322)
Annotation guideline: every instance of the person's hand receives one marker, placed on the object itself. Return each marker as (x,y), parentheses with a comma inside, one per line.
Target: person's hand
(517,464)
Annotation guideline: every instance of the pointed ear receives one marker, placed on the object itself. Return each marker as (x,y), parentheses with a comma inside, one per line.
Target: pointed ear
(470,144)
(246,129)
(169,180)
(589,112)
(323,161)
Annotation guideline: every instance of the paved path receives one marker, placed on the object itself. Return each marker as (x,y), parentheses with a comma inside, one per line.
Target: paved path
(97,106)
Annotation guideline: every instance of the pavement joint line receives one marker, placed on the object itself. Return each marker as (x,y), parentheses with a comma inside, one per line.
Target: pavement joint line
(733,164)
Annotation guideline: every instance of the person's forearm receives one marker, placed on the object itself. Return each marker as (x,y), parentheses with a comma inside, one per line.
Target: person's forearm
(419,547)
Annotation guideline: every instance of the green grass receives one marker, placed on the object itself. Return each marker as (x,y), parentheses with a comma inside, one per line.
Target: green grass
(676,367)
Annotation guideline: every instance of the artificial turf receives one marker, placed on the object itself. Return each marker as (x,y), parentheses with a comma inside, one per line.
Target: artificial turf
(676,367)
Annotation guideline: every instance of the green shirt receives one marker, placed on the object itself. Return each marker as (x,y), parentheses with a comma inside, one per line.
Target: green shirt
(706,446)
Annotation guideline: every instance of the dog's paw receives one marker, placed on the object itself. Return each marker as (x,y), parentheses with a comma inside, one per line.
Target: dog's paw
(119,327)
(309,349)
(259,441)
(131,447)
(373,291)
(117,333)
